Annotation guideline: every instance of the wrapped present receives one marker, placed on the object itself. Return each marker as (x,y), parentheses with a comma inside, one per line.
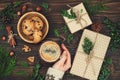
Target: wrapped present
(81,21)
(88,65)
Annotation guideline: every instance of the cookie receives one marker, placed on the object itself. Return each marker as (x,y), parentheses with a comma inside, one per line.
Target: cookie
(37,36)
(38,22)
(28,27)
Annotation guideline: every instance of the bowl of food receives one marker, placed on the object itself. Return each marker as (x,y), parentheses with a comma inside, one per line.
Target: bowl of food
(50,51)
(32,27)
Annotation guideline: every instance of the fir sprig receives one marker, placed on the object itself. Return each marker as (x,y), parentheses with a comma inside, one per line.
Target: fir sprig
(7,14)
(87,46)
(94,9)
(21,73)
(114,33)
(24,64)
(70,15)
(2,27)
(45,5)
(36,75)
(56,33)
(105,71)
(7,63)
(69,37)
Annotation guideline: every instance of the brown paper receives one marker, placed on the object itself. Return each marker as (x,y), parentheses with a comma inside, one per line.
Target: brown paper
(94,66)
(84,22)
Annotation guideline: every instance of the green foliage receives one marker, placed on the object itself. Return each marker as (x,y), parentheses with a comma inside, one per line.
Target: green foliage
(69,37)
(45,6)
(94,9)
(114,33)
(56,32)
(7,14)
(36,75)
(70,15)
(2,27)
(105,71)
(87,46)
(7,63)
(21,73)
(24,64)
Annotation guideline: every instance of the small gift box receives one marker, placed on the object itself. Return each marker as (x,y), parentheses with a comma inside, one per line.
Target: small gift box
(81,20)
(88,65)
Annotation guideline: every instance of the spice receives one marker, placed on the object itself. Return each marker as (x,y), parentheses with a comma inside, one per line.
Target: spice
(97,27)
(3,38)
(87,46)
(11,39)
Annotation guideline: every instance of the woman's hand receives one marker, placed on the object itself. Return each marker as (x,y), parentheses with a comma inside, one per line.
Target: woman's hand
(65,61)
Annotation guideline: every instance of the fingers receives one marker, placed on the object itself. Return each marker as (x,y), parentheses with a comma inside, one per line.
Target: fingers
(68,53)
(63,58)
(64,48)
(67,64)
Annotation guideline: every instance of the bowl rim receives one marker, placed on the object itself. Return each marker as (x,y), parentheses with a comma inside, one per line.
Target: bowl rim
(46,59)
(20,20)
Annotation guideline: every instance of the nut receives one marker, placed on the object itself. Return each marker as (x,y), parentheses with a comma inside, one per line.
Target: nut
(3,38)
(19,13)
(11,53)
(24,7)
(38,8)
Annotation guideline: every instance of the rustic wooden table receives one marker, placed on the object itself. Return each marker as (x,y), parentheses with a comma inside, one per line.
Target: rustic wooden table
(56,21)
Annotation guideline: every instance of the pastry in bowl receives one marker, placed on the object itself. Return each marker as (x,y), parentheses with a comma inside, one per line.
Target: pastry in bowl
(50,51)
(32,27)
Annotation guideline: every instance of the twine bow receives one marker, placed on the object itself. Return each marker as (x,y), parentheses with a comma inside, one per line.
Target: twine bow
(90,57)
(78,16)
(88,60)
(10,37)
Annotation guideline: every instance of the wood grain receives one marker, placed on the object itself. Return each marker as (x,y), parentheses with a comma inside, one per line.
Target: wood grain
(56,21)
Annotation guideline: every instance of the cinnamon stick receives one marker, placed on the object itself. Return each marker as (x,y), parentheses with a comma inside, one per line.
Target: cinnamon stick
(11,40)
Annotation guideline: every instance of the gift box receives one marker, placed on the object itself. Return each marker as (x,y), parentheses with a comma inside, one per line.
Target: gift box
(81,21)
(88,65)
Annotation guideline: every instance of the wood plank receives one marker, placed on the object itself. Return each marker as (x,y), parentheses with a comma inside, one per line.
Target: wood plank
(56,21)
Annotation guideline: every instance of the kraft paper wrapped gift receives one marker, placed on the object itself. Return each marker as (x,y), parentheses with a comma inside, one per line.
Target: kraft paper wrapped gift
(81,21)
(90,69)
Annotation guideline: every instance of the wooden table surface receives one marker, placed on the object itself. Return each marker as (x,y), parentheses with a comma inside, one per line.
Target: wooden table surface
(56,21)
